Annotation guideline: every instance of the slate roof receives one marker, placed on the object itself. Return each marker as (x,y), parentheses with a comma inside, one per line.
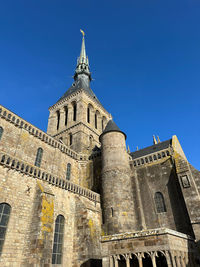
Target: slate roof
(77,85)
(151,149)
(111,127)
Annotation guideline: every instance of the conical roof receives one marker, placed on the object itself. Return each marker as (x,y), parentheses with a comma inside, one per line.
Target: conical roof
(111,127)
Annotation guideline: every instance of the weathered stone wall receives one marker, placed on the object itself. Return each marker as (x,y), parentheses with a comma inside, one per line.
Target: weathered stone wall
(21,144)
(34,208)
(160,177)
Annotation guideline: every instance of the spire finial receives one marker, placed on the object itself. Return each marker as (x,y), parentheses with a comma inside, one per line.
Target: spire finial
(83,62)
(83,33)
(154,140)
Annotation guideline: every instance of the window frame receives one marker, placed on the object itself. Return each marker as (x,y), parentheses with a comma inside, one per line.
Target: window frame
(4,227)
(39,155)
(160,203)
(58,240)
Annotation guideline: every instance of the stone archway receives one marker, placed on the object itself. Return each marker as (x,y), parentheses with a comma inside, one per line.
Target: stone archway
(161,260)
(146,260)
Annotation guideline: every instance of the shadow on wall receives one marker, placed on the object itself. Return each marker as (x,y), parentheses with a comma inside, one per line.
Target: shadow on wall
(92,263)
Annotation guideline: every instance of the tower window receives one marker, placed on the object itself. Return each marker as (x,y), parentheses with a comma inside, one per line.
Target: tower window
(68,173)
(4,218)
(70,139)
(38,157)
(160,202)
(66,115)
(58,240)
(58,119)
(74,111)
(95,119)
(1,132)
(88,115)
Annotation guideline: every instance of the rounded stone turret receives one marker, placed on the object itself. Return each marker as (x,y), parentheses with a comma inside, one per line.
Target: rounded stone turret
(117,195)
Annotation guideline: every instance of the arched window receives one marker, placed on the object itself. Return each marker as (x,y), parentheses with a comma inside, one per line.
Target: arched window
(1,132)
(68,173)
(160,202)
(88,115)
(74,111)
(70,139)
(38,157)
(102,124)
(95,120)
(58,240)
(4,218)
(58,119)
(66,115)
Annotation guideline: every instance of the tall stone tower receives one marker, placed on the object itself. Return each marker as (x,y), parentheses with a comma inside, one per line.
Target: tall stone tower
(78,118)
(118,206)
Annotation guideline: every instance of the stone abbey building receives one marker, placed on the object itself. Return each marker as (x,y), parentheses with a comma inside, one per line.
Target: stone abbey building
(75,196)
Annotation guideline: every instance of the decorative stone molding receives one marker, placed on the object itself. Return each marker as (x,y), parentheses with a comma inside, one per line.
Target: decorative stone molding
(144,233)
(38,173)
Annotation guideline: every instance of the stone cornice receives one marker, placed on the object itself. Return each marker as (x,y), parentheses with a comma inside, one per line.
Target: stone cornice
(40,174)
(36,132)
(144,233)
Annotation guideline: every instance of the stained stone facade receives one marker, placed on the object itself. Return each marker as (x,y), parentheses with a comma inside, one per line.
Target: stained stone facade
(75,196)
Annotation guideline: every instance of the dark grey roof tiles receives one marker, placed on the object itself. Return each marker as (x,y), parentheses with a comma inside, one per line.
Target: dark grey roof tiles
(151,149)
(77,85)
(111,127)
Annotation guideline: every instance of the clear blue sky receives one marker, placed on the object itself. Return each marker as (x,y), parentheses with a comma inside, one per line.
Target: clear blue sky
(144,57)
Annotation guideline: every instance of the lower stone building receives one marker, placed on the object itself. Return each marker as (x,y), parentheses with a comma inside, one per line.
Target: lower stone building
(75,196)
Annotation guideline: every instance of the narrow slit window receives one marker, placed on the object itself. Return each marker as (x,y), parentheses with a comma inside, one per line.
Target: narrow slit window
(70,139)
(74,111)
(68,173)
(1,132)
(4,218)
(95,118)
(58,119)
(66,115)
(38,159)
(58,240)
(160,202)
(88,115)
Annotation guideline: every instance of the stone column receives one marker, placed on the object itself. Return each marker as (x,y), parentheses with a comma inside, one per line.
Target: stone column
(106,262)
(62,119)
(168,259)
(116,261)
(140,262)
(127,257)
(153,258)
(178,264)
(111,262)
(182,262)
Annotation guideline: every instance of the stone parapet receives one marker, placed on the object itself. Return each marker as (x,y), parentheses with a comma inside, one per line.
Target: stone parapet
(36,132)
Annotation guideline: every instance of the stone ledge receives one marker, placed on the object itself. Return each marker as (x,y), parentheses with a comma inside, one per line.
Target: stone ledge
(144,233)
(40,174)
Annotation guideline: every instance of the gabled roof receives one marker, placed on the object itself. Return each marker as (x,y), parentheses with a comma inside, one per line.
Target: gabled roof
(151,149)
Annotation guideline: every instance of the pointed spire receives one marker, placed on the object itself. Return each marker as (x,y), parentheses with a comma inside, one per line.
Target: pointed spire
(82,67)
(83,58)
(128,150)
(158,139)
(154,140)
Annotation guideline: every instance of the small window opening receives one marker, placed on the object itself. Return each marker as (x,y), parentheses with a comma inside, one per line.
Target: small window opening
(38,157)
(88,115)
(70,139)
(68,173)
(1,132)
(58,119)
(160,202)
(66,115)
